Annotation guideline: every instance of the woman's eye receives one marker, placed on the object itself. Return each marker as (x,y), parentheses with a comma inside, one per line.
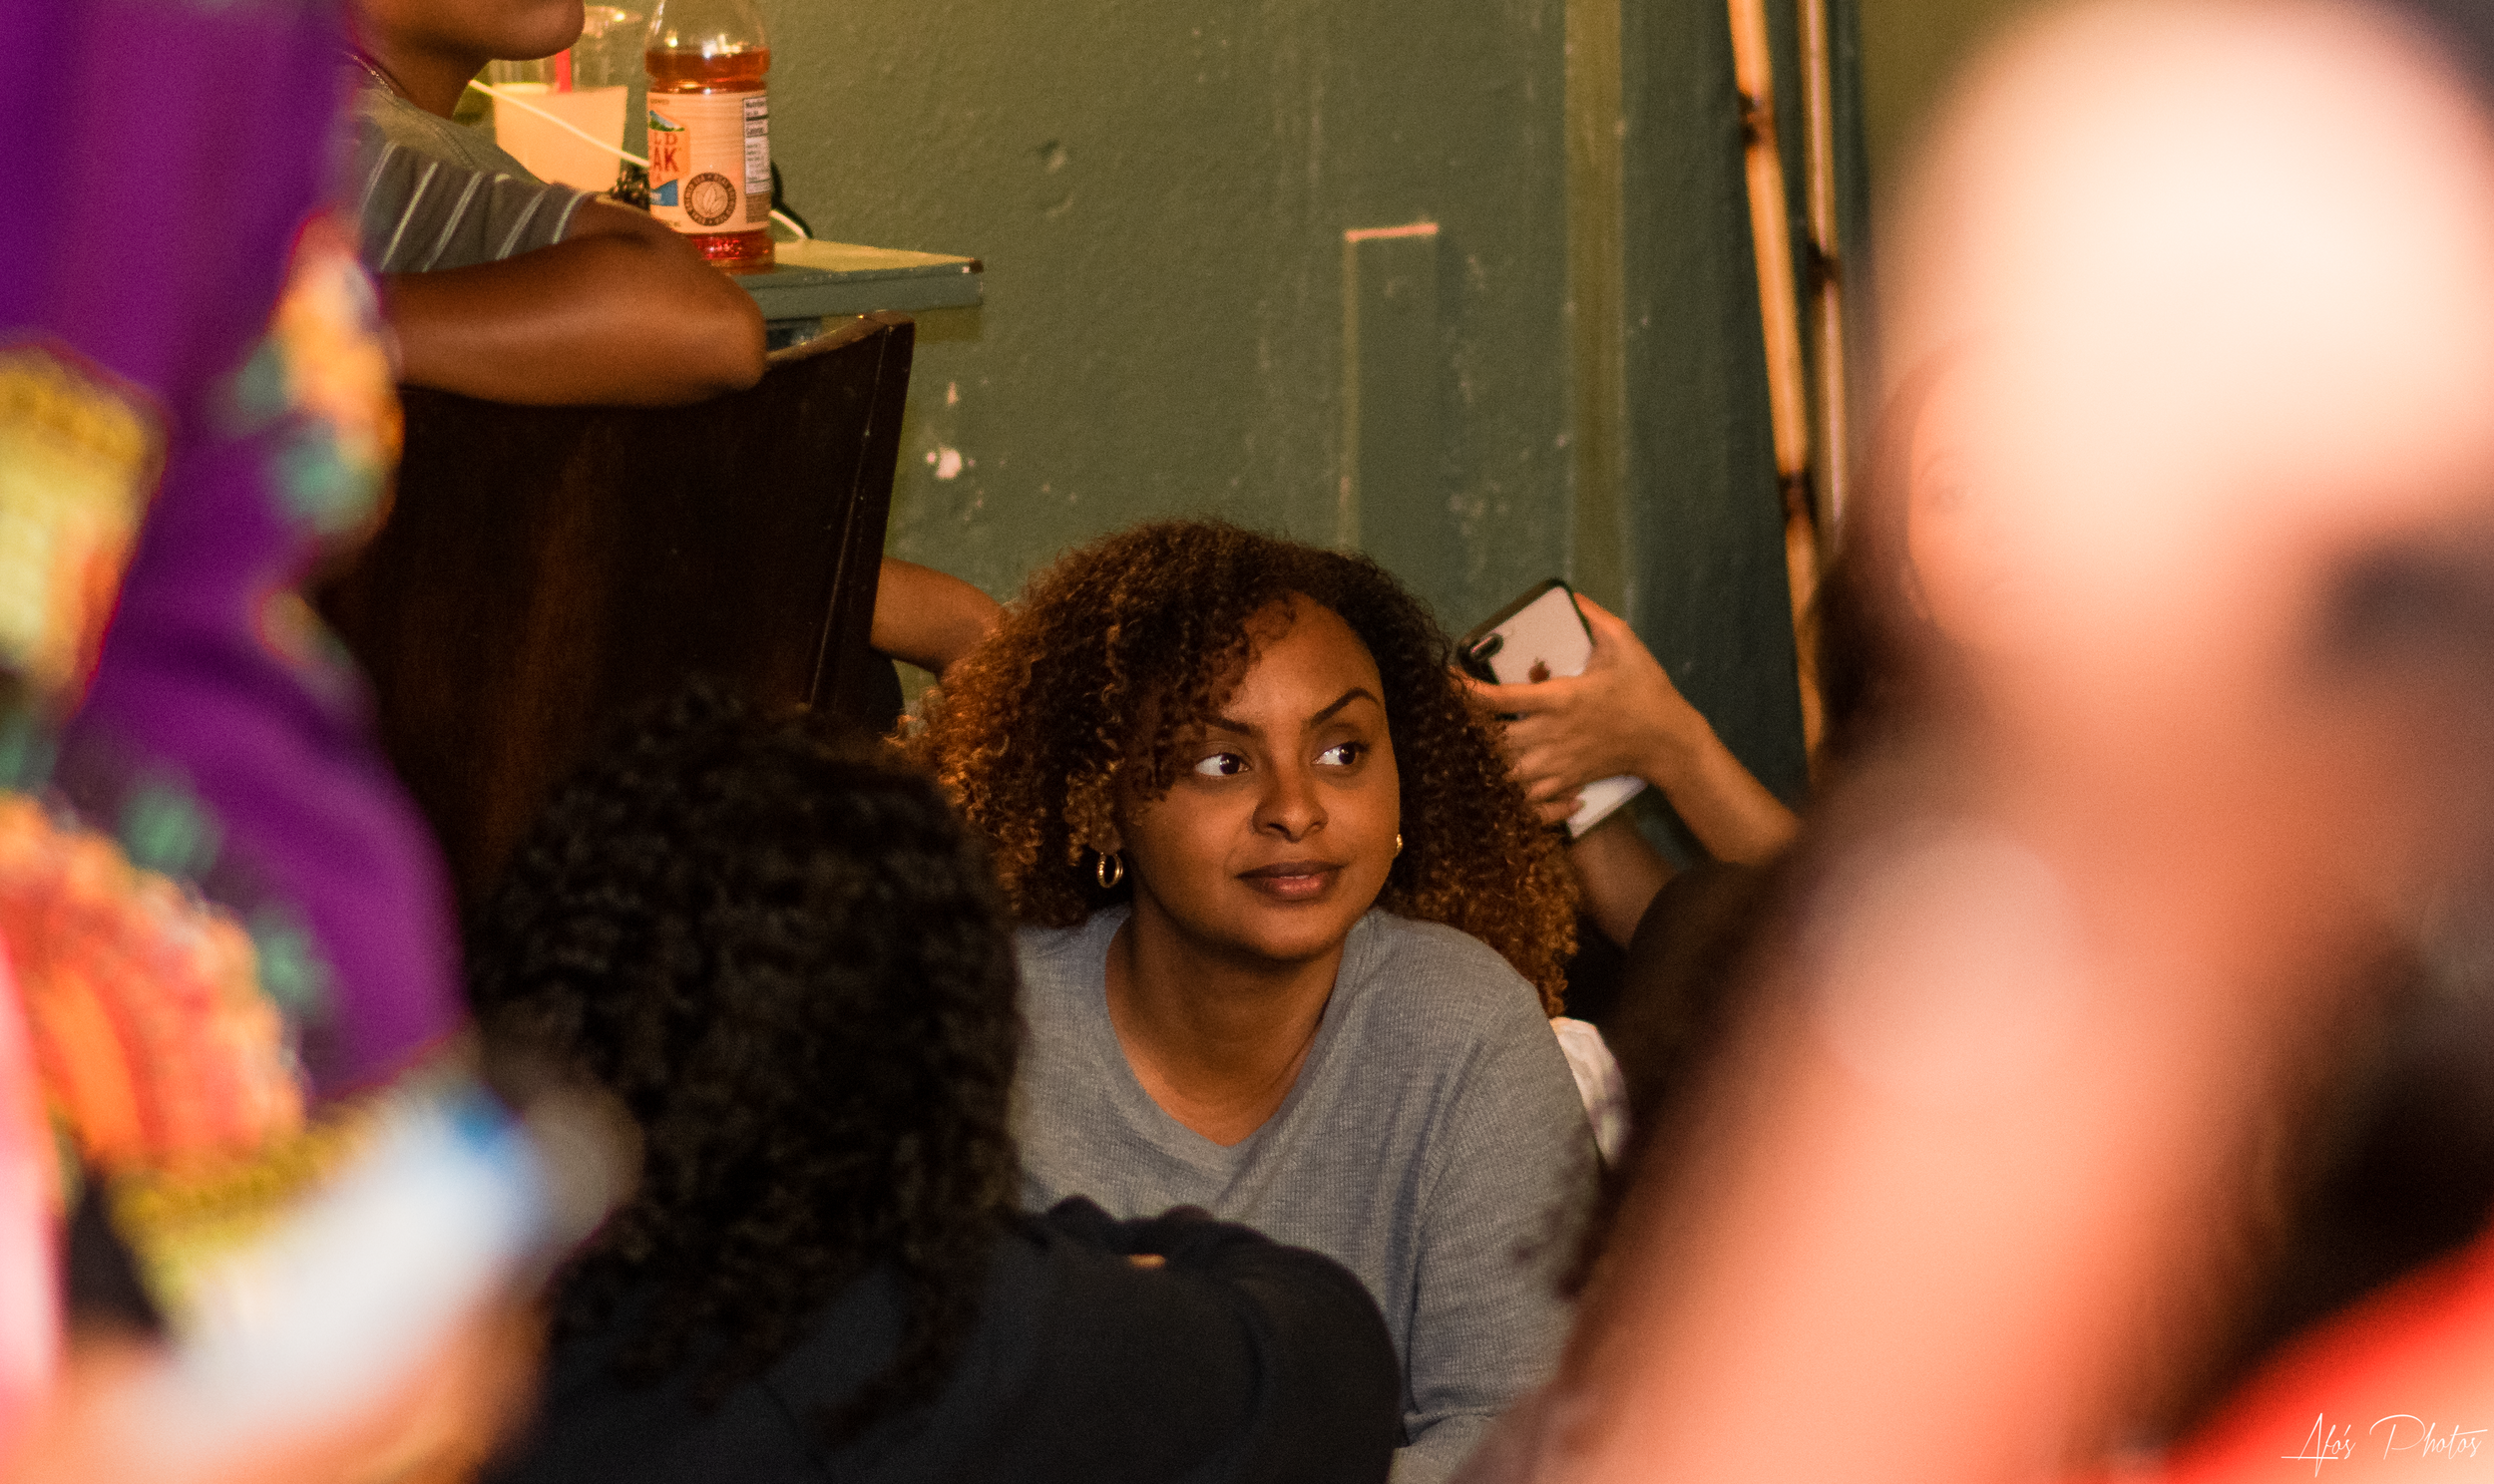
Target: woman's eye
(1222,765)
(1343,754)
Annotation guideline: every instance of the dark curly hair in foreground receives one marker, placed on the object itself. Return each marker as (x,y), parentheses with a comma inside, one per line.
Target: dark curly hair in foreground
(1119,650)
(784,956)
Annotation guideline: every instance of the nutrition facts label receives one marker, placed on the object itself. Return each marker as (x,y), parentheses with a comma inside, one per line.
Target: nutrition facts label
(757,157)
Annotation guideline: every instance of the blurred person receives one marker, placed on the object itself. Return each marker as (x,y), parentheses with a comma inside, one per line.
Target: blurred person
(781,956)
(2391,1387)
(225,931)
(500,285)
(2180,752)
(1291,937)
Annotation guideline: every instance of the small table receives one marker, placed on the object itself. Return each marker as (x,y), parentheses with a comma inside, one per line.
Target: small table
(813,282)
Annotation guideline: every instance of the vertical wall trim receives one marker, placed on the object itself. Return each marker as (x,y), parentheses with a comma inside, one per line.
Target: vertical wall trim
(1597,303)
(1347,497)
(1396,502)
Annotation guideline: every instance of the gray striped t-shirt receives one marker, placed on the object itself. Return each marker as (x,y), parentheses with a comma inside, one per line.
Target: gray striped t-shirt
(434,194)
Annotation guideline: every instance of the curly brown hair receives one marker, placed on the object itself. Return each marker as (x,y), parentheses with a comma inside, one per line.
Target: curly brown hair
(1119,650)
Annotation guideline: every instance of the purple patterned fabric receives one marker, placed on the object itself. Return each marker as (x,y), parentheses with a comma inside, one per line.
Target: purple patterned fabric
(188,141)
(177,144)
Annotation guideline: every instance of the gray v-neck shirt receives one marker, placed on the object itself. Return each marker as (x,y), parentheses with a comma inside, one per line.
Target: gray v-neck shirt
(1434,1144)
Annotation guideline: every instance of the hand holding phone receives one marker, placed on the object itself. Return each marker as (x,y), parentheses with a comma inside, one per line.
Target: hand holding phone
(1540,637)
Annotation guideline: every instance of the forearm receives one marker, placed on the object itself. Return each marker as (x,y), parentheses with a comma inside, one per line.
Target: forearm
(927,618)
(1732,814)
(612,317)
(1619,874)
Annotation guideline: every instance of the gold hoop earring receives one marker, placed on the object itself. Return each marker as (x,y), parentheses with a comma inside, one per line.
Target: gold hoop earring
(1111,869)
(1397,841)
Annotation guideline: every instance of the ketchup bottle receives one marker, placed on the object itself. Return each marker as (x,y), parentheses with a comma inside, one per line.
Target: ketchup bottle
(711,129)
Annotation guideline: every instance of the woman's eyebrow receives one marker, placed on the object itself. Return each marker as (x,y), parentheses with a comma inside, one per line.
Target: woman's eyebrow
(1348,696)
(1247,729)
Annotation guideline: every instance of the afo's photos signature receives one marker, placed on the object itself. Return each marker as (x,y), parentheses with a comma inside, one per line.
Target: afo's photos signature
(2398,1435)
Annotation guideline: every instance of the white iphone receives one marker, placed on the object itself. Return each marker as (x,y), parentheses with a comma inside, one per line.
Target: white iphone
(1540,637)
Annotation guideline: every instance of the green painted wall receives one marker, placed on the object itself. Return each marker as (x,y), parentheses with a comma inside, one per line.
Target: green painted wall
(1175,324)
(1160,192)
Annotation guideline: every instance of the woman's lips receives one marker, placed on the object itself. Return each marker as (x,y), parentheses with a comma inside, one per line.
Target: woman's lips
(1293,880)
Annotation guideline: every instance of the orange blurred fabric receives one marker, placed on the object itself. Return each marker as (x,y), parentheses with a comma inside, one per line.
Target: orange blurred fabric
(2397,1388)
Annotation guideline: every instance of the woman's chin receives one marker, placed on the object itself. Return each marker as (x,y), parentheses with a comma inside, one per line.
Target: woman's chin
(1241,922)
(1293,933)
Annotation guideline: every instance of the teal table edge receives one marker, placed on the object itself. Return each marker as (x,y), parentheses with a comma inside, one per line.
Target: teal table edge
(818,280)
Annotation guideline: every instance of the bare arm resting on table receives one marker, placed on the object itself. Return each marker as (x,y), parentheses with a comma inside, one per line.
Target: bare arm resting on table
(622,312)
(1623,715)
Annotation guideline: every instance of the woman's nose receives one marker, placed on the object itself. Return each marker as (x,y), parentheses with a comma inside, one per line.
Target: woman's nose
(1290,807)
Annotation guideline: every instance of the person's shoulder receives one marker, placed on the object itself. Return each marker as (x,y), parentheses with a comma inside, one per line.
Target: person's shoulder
(383,117)
(1035,941)
(1455,978)
(1068,951)
(1445,1023)
(1433,996)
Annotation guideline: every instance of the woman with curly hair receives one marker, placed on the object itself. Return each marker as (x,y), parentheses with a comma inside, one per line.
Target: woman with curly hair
(1291,935)
(781,958)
